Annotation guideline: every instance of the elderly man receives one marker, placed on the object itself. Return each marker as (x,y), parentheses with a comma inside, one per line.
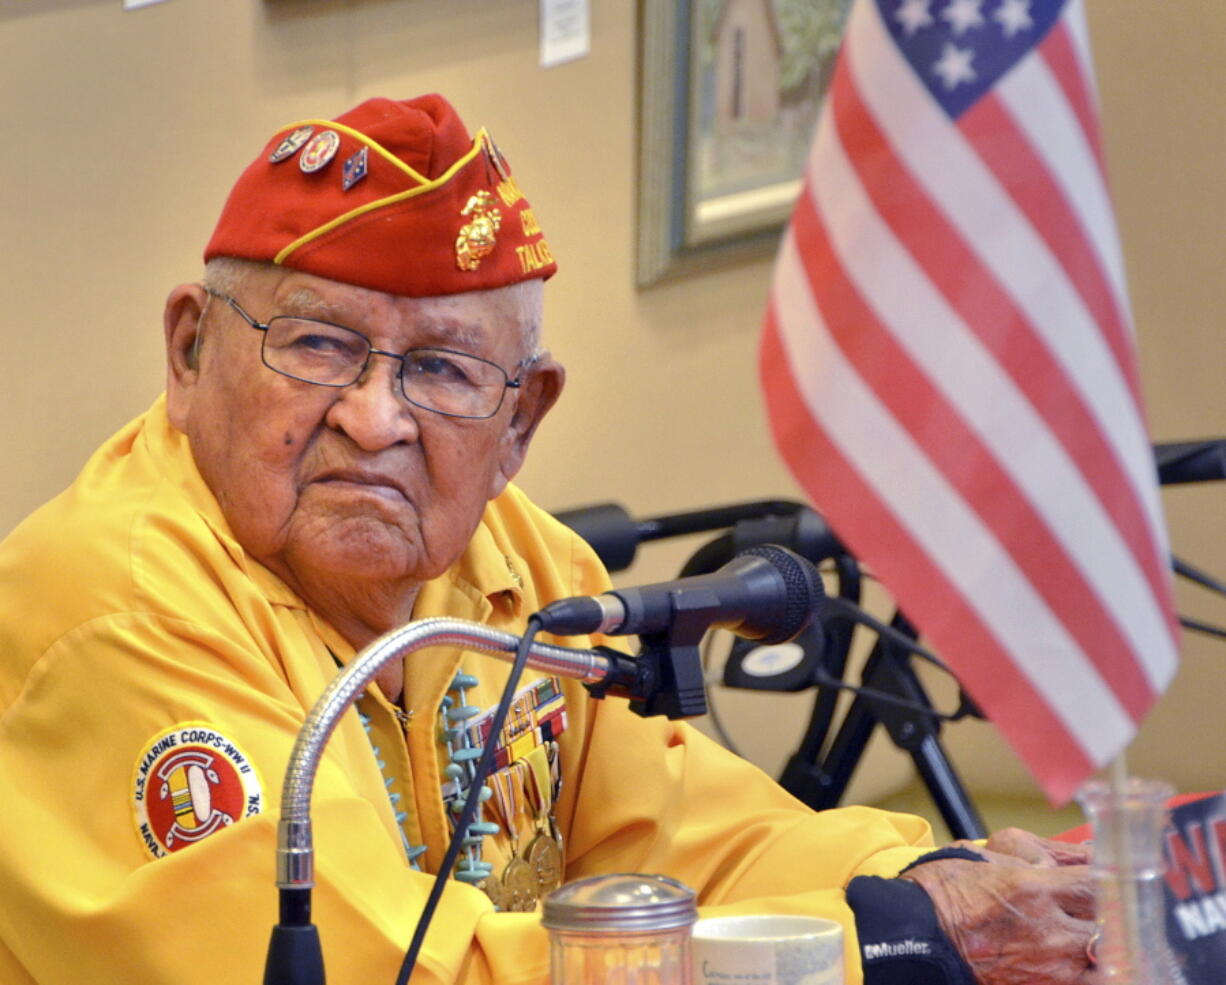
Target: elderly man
(349,393)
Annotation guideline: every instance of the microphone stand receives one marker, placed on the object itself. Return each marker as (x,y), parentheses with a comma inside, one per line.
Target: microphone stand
(615,536)
(819,771)
(825,778)
(658,681)
(1180,462)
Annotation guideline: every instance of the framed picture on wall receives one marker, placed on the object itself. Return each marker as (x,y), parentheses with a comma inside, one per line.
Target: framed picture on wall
(729,92)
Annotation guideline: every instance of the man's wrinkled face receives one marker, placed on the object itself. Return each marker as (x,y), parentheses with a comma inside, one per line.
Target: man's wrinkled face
(327,485)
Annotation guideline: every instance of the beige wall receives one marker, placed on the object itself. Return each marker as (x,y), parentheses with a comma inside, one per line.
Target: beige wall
(122,131)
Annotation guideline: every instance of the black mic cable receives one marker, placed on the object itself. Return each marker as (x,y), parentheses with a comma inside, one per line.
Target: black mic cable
(853,612)
(823,678)
(966,706)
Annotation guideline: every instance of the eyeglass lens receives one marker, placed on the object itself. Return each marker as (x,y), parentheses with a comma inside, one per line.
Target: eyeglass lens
(437,379)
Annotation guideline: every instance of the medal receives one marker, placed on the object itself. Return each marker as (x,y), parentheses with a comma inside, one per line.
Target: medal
(544,854)
(491,885)
(545,857)
(520,886)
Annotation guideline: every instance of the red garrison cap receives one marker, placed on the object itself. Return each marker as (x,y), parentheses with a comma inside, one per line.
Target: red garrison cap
(394,196)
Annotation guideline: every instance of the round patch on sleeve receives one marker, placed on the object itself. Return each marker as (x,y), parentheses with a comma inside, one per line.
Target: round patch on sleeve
(191,781)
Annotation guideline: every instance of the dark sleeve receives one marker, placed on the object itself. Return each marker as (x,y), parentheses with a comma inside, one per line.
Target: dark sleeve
(901,941)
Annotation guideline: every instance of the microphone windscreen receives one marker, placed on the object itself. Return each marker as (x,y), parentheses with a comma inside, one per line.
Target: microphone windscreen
(803,590)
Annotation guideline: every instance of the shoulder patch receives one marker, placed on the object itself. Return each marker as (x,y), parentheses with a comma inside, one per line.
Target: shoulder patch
(190,781)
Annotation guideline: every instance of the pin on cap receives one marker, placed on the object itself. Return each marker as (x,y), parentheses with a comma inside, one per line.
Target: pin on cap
(290,144)
(495,155)
(319,151)
(354,169)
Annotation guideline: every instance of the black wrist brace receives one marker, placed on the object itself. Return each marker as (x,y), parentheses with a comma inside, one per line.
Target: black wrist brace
(901,941)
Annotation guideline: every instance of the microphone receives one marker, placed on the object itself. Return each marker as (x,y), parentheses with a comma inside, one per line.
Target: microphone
(765,593)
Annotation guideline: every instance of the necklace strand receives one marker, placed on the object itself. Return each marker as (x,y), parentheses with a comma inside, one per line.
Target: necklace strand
(414,852)
(462,754)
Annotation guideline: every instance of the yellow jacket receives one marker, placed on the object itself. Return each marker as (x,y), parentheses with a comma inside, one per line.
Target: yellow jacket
(128,612)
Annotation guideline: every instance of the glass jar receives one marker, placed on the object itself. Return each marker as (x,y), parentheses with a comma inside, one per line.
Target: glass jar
(620,929)
(1132,947)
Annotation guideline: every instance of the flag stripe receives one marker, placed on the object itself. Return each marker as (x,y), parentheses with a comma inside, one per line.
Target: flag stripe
(1074,21)
(962,188)
(940,339)
(1039,737)
(1040,116)
(965,462)
(1057,50)
(1020,170)
(930,513)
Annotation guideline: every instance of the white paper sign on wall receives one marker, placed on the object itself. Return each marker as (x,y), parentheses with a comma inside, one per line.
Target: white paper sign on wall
(565,31)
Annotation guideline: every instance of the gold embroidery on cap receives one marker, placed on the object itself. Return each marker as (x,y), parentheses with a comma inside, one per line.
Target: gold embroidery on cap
(509,192)
(476,238)
(534,256)
(527,219)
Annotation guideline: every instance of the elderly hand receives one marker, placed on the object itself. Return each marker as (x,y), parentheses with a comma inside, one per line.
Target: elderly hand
(1026,915)
(1017,847)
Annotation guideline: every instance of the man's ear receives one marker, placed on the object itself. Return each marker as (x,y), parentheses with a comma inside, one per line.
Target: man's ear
(181,324)
(541,388)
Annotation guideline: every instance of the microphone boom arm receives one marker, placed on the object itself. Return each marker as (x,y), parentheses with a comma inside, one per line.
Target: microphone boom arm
(295,956)
(605,669)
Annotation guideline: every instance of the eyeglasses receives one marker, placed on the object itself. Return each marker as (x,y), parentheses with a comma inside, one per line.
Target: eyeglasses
(444,381)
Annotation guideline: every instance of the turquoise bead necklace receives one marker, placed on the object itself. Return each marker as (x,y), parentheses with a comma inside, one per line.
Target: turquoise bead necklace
(462,754)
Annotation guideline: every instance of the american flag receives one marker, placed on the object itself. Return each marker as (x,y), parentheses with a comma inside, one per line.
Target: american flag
(948,363)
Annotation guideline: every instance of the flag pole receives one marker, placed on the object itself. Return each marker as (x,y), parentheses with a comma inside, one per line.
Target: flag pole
(1123,872)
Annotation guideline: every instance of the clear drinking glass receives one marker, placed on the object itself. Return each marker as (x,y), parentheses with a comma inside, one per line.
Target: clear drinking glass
(1132,948)
(621,929)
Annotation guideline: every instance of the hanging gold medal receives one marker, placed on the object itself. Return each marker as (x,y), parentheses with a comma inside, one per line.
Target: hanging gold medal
(519,884)
(544,853)
(491,885)
(519,887)
(545,858)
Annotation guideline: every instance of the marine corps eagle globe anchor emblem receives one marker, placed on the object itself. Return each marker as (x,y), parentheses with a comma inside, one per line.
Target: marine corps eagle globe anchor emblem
(477,237)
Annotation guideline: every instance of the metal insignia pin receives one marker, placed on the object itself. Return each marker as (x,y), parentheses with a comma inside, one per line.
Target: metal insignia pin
(290,144)
(319,151)
(495,155)
(477,237)
(354,170)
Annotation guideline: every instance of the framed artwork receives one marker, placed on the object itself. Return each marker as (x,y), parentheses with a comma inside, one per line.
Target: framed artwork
(729,92)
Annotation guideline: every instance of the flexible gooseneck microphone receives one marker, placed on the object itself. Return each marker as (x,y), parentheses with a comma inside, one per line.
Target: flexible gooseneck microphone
(765,593)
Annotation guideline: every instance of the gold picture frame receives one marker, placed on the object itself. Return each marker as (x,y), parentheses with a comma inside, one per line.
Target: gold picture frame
(729,92)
